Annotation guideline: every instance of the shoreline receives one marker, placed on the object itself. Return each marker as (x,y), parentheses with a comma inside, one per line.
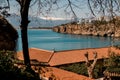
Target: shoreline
(41,28)
(83,49)
(46,28)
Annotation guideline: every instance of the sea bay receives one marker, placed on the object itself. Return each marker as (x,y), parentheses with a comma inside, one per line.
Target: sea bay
(49,40)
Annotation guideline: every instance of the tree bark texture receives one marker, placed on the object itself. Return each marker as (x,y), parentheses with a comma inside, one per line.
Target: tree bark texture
(24,25)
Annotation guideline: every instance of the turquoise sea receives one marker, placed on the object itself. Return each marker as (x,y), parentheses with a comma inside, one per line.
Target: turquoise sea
(49,40)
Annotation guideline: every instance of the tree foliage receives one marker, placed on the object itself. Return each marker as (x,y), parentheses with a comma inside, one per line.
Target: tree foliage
(113,63)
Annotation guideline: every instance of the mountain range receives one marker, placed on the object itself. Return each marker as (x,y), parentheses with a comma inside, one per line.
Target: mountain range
(14,19)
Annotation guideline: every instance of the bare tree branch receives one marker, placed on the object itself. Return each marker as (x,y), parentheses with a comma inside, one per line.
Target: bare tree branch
(90,7)
(70,4)
(8,4)
(95,60)
(86,56)
(111,7)
(90,67)
(35,1)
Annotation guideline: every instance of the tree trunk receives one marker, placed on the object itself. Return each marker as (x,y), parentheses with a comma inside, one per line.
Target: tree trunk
(25,47)
(24,24)
(90,72)
(90,67)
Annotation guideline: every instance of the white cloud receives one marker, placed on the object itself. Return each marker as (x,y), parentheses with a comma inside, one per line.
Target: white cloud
(54,18)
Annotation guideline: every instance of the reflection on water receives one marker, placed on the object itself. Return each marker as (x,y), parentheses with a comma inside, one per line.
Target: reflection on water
(47,39)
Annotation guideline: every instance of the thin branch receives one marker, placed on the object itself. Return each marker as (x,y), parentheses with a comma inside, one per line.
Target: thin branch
(86,57)
(8,4)
(91,7)
(72,8)
(75,5)
(33,3)
(19,1)
(95,60)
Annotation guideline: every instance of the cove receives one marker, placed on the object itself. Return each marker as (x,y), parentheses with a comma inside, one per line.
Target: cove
(49,40)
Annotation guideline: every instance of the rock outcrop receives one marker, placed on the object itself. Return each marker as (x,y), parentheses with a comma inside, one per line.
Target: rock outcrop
(8,35)
(89,29)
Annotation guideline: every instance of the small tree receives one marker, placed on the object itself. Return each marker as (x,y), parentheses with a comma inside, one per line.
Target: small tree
(90,67)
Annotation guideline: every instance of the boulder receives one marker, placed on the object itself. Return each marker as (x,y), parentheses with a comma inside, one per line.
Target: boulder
(117,33)
(56,29)
(77,32)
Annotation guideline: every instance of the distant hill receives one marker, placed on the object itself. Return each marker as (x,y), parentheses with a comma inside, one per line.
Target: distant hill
(35,21)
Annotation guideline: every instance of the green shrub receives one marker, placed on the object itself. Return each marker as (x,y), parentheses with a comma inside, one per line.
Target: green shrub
(81,69)
(9,71)
(113,63)
(78,68)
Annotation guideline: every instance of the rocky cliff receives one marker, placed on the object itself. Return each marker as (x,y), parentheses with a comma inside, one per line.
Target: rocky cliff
(107,29)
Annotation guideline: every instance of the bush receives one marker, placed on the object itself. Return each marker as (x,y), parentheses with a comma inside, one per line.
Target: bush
(80,68)
(9,71)
(113,63)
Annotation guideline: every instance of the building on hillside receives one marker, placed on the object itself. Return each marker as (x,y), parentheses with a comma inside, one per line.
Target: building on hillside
(84,21)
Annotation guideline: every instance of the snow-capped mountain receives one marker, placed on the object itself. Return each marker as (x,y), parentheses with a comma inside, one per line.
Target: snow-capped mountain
(35,21)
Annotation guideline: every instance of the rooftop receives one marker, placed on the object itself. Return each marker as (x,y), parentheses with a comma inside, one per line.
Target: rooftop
(65,57)
(37,54)
(60,74)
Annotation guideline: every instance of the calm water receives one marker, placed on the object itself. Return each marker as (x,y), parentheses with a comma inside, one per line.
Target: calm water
(47,39)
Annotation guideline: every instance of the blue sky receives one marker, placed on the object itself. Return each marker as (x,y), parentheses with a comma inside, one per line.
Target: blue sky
(81,12)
